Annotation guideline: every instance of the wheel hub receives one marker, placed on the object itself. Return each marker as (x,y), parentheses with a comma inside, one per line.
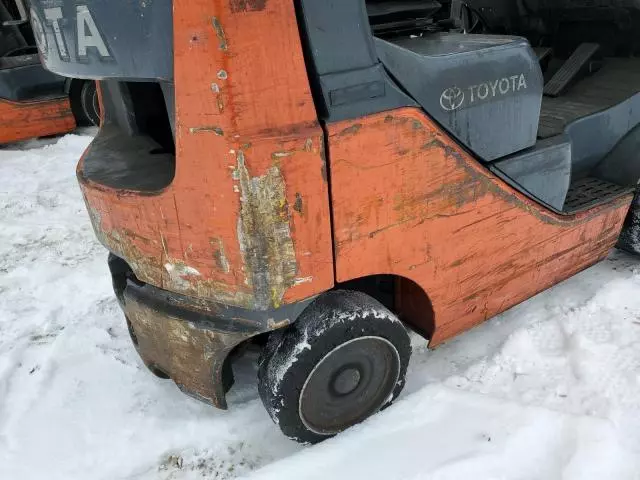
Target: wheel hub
(346,381)
(349,384)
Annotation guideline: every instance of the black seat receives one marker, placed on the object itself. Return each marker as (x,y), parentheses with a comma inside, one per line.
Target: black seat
(24,78)
(594,136)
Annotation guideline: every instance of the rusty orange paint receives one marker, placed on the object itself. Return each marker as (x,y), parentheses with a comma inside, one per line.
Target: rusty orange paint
(24,120)
(246,219)
(408,201)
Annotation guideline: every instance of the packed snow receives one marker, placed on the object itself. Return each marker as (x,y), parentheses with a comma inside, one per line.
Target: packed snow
(550,389)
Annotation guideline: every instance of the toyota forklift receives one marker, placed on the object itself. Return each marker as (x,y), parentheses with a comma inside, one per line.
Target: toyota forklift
(33,101)
(317,177)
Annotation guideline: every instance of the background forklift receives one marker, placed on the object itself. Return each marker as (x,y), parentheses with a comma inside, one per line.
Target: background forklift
(314,176)
(33,101)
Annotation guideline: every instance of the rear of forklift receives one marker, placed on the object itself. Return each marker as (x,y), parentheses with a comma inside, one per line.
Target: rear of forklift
(33,101)
(315,176)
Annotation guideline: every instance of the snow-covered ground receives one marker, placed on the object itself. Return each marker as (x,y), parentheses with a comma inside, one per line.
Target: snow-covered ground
(550,389)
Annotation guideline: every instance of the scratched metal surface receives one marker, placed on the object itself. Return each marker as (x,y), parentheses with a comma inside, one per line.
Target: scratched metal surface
(246,219)
(407,200)
(23,120)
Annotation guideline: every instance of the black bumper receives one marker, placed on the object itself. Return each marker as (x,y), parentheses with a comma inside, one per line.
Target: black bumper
(189,339)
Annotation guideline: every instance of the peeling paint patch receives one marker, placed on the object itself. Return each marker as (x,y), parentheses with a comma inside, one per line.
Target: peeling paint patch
(179,273)
(299,281)
(223,75)
(219,255)
(247,5)
(152,268)
(308,145)
(297,206)
(434,143)
(181,269)
(274,325)
(215,88)
(265,235)
(163,242)
(352,130)
(219,33)
(278,155)
(217,130)
(122,243)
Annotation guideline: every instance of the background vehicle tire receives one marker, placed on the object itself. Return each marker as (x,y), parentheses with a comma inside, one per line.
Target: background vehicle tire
(629,239)
(343,360)
(84,103)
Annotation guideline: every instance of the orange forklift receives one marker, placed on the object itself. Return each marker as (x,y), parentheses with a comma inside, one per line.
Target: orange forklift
(319,176)
(33,101)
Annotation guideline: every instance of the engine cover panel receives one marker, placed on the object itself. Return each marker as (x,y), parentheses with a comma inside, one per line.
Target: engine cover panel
(485,90)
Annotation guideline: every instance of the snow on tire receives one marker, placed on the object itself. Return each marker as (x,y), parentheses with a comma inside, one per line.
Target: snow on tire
(629,239)
(344,359)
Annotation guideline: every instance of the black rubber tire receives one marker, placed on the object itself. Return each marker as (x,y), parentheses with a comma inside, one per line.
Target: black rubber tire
(629,239)
(334,319)
(84,103)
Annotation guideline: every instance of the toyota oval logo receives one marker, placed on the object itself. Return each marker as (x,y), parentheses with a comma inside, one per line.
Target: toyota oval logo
(452,99)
